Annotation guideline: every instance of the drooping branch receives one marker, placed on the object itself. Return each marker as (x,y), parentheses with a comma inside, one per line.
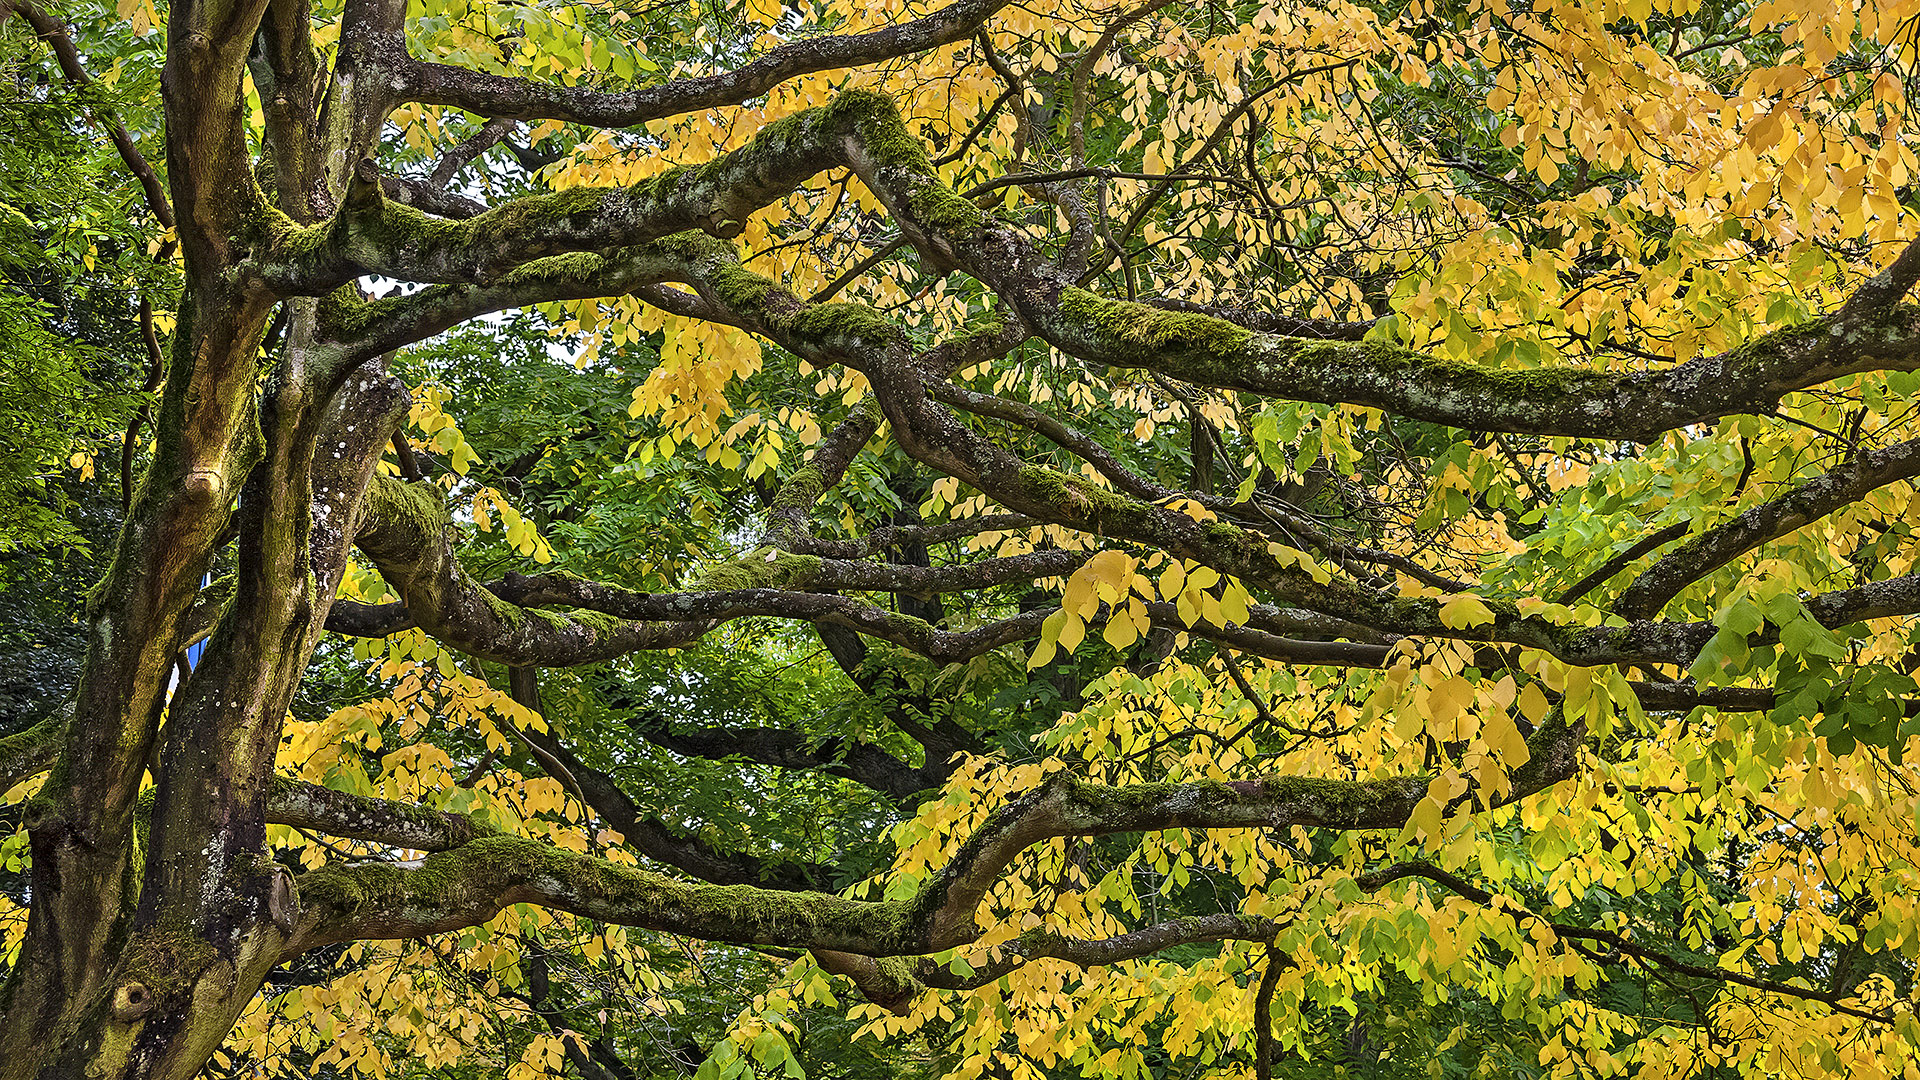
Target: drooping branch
(644,832)
(49,30)
(863,339)
(1282,521)
(1606,570)
(648,835)
(1065,807)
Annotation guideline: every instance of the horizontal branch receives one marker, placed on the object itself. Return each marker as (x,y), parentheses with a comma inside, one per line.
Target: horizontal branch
(893,984)
(764,568)
(512,621)
(1267,322)
(469,884)
(357,817)
(289,802)
(864,339)
(523,99)
(404,532)
(1560,400)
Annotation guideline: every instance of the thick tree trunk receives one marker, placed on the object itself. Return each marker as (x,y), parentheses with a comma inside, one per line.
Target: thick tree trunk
(145,940)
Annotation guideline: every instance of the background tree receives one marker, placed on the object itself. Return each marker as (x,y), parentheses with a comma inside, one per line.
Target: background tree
(1144,539)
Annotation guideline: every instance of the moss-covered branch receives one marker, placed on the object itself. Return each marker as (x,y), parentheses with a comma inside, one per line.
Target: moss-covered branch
(371,234)
(469,884)
(31,752)
(513,621)
(1562,400)
(893,983)
(404,531)
(357,817)
(863,131)
(526,99)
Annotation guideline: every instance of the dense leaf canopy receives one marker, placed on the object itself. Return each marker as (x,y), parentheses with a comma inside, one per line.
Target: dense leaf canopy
(986,540)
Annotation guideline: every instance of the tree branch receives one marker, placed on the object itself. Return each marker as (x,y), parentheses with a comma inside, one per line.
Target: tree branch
(467,885)
(1605,571)
(523,99)
(49,30)
(649,835)
(1618,943)
(894,984)
(864,132)
(1811,501)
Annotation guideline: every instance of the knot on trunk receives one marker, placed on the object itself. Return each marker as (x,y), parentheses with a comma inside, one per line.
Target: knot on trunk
(131,1001)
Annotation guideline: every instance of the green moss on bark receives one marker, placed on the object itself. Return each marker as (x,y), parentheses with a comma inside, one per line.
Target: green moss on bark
(163,959)
(1137,330)
(762,568)
(1072,494)
(417,507)
(466,884)
(824,322)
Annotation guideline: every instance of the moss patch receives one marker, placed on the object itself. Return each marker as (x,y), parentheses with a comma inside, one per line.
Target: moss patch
(163,959)
(1139,330)
(761,568)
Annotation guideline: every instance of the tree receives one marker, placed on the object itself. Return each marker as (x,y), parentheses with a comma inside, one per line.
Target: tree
(1445,469)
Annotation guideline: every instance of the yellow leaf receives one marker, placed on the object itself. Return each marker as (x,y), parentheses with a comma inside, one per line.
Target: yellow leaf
(1533,702)
(1425,820)
(1504,737)
(1463,611)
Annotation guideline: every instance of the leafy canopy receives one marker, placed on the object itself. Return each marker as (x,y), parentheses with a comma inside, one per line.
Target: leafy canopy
(1240,540)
